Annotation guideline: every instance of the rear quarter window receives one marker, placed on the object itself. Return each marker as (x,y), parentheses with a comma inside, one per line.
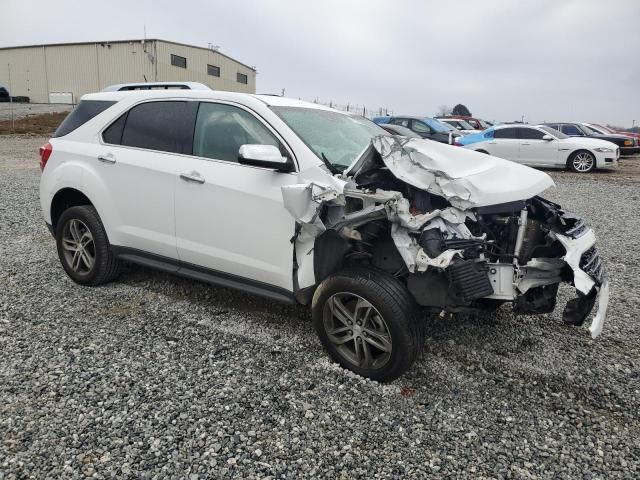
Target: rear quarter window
(85,111)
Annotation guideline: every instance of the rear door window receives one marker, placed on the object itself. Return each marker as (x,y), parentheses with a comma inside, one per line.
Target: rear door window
(403,122)
(85,111)
(530,134)
(164,126)
(505,133)
(222,129)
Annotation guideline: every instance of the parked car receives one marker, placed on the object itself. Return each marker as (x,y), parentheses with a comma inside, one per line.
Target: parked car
(399,130)
(426,127)
(476,123)
(543,146)
(627,145)
(304,204)
(606,130)
(460,125)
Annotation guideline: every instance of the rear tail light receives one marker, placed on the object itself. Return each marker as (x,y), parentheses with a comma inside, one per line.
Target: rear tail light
(45,153)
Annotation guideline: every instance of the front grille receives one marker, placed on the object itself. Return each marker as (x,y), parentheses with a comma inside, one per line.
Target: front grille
(591,264)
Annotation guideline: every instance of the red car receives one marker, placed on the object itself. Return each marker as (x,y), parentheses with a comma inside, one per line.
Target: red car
(477,123)
(604,129)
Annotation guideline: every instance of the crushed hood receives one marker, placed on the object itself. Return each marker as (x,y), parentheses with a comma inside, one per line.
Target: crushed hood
(465,178)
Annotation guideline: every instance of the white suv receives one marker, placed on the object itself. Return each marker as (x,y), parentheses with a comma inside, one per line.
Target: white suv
(302,203)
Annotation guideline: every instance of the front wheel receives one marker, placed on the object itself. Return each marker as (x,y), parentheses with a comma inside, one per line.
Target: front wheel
(368,322)
(582,162)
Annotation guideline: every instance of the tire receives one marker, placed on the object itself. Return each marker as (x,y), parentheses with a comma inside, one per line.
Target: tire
(483,151)
(582,161)
(82,225)
(391,317)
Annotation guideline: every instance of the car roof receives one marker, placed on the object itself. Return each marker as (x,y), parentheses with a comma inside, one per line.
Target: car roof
(136,95)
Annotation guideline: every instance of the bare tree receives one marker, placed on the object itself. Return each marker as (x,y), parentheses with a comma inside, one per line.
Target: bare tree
(443,110)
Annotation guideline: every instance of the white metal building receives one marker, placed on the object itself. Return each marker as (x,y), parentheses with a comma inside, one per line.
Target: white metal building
(62,73)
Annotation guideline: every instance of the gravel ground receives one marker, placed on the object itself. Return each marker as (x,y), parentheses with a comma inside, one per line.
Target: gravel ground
(160,377)
(21,110)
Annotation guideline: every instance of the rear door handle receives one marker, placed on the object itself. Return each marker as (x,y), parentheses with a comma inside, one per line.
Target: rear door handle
(108,158)
(525,143)
(192,177)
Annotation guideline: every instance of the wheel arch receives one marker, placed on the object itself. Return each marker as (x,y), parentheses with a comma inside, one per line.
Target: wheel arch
(65,198)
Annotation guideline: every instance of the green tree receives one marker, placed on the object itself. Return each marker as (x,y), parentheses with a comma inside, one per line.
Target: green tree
(461,110)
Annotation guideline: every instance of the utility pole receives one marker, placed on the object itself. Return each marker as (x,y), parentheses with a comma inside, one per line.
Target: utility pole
(13,123)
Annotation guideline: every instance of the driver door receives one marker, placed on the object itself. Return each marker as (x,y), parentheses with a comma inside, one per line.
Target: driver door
(534,150)
(230,217)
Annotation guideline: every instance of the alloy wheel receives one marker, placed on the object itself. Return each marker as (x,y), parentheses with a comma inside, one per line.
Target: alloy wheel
(357,330)
(78,246)
(583,162)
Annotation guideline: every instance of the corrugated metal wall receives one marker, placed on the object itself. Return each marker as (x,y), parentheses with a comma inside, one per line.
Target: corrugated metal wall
(197,61)
(85,68)
(28,72)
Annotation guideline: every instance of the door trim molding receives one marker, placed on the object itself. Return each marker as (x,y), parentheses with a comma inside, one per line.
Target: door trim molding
(203,274)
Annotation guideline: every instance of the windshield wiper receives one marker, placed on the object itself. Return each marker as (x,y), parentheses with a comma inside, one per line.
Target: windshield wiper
(332,168)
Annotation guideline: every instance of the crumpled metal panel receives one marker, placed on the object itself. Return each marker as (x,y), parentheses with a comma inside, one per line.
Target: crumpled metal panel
(465,178)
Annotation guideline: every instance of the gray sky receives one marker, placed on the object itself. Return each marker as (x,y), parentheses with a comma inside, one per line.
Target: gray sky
(545,59)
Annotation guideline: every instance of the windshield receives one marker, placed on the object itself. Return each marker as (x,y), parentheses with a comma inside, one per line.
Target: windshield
(553,132)
(589,130)
(602,129)
(338,137)
(438,126)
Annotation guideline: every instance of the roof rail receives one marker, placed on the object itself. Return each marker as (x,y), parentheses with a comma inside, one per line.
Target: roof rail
(120,87)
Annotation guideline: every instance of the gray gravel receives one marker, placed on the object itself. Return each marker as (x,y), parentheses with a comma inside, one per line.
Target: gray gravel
(159,377)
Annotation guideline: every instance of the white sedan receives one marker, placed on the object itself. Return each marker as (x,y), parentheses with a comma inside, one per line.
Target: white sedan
(541,146)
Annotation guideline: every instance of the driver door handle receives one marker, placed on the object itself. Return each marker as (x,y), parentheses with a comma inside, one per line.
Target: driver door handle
(192,177)
(525,143)
(108,158)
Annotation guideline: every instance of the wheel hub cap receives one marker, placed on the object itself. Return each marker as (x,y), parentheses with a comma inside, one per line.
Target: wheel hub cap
(357,330)
(583,162)
(78,246)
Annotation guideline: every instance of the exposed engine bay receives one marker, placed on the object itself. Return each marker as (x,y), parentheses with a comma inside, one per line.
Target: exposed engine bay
(462,237)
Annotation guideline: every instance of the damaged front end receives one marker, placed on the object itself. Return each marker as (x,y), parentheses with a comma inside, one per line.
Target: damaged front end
(464,232)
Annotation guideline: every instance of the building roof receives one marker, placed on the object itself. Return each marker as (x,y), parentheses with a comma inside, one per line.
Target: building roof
(136,40)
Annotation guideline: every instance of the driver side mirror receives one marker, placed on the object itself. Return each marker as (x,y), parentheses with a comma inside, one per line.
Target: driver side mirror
(548,138)
(266,156)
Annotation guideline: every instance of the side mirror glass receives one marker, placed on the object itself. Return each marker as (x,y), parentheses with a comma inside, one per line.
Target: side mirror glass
(266,156)
(548,138)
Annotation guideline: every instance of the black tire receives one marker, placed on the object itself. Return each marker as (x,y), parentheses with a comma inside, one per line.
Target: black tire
(105,266)
(483,151)
(391,301)
(573,159)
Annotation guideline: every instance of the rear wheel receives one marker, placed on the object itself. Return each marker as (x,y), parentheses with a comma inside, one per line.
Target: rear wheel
(582,161)
(83,247)
(368,322)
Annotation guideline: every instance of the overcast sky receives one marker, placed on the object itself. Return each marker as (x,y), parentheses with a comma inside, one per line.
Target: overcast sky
(545,59)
